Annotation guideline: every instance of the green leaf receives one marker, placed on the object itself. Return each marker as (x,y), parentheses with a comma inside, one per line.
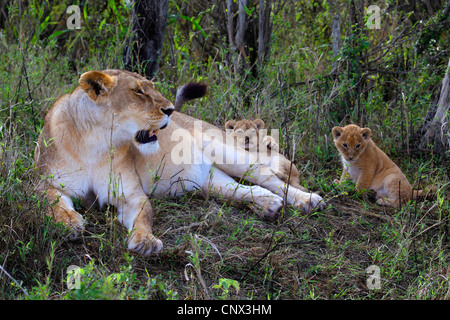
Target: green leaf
(58,33)
(195,24)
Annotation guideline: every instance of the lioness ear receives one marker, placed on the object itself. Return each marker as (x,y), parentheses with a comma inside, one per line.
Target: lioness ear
(259,124)
(95,83)
(337,132)
(230,124)
(366,133)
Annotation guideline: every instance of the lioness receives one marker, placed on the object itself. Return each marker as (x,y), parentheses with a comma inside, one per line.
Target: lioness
(104,139)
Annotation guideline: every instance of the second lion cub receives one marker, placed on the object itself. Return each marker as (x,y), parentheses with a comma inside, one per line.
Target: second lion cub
(370,168)
(246,136)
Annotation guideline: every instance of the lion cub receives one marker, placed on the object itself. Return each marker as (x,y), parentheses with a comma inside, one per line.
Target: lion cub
(370,168)
(246,134)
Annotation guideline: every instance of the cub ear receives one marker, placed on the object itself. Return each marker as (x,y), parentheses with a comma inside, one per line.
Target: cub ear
(259,124)
(96,83)
(366,133)
(230,124)
(337,132)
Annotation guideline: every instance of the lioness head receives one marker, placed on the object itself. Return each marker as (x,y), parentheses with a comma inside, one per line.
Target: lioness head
(245,133)
(138,109)
(351,140)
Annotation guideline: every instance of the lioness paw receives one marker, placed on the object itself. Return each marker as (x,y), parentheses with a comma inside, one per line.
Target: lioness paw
(271,207)
(144,243)
(74,223)
(312,202)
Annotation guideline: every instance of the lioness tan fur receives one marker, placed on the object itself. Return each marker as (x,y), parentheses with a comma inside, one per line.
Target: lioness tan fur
(117,139)
(370,168)
(246,134)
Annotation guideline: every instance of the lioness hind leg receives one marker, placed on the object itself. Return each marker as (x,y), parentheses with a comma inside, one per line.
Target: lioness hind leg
(61,210)
(306,201)
(222,184)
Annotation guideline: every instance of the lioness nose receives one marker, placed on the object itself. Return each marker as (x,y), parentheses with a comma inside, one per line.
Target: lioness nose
(167,111)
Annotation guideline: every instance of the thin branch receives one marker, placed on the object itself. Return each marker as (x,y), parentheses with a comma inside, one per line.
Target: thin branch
(15,281)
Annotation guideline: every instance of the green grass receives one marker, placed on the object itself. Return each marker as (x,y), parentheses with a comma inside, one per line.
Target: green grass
(320,256)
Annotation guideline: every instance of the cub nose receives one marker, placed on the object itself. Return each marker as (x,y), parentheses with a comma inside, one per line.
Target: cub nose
(167,111)
(247,139)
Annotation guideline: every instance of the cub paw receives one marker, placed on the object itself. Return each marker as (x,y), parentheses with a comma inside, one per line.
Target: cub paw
(271,144)
(144,243)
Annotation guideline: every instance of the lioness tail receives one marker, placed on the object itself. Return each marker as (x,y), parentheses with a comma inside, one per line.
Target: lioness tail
(189,91)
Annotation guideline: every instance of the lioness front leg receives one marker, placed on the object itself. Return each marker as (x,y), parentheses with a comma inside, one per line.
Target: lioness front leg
(61,210)
(136,214)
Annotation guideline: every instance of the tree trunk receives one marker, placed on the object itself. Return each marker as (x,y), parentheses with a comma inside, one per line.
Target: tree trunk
(143,51)
(3,13)
(435,131)
(249,37)
(264,32)
(336,30)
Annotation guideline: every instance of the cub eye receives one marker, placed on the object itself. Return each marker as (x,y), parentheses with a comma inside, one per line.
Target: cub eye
(345,145)
(357,146)
(138,91)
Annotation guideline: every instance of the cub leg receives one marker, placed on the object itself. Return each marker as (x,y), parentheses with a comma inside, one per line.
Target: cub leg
(390,202)
(344,176)
(221,183)
(365,179)
(398,189)
(61,210)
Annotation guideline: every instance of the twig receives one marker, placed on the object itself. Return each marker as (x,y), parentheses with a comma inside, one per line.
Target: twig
(430,227)
(15,281)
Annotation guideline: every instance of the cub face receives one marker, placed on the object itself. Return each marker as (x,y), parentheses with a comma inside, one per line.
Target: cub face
(351,141)
(245,133)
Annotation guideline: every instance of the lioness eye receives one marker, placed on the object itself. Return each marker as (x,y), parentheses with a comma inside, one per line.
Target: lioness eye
(138,91)
(357,146)
(345,145)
